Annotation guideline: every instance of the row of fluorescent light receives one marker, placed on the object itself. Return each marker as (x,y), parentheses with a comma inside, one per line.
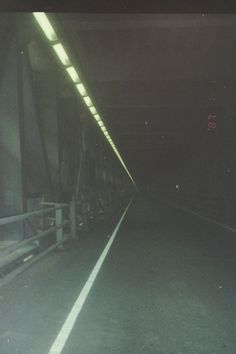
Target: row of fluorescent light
(51,35)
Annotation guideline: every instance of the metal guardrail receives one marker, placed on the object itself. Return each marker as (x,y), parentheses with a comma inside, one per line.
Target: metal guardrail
(19,217)
(9,254)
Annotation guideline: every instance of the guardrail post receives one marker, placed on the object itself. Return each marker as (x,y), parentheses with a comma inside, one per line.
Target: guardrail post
(59,232)
(73,219)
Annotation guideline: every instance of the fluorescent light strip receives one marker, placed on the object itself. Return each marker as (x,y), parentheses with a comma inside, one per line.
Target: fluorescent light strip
(88,101)
(82,90)
(73,74)
(45,25)
(93,110)
(61,53)
(49,32)
(97,117)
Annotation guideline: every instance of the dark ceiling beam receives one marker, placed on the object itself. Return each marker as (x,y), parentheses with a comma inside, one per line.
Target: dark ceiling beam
(95,22)
(156,147)
(162,106)
(150,134)
(130,141)
(191,82)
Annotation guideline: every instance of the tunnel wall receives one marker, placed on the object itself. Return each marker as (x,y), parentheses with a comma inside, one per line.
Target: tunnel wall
(51,148)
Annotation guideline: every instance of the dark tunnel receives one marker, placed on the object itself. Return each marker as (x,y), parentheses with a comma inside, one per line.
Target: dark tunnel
(117,183)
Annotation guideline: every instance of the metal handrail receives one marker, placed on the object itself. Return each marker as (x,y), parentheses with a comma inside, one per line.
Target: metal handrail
(10,276)
(7,254)
(19,217)
(38,236)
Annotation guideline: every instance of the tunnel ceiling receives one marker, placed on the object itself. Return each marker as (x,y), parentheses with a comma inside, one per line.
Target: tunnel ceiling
(153,78)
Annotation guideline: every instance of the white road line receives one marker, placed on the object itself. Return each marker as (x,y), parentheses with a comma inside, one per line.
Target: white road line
(203,217)
(69,323)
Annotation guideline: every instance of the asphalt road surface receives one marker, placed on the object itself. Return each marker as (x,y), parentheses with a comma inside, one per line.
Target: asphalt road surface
(167,286)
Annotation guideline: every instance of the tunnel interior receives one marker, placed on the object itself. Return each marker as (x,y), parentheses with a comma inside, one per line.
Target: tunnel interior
(97,110)
(163,84)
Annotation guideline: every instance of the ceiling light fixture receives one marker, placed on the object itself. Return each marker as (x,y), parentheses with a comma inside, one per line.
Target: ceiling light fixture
(81,89)
(93,110)
(88,101)
(45,25)
(73,74)
(61,53)
(51,35)
(97,117)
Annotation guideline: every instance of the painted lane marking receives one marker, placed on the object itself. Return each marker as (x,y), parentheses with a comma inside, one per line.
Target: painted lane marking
(69,323)
(203,217)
